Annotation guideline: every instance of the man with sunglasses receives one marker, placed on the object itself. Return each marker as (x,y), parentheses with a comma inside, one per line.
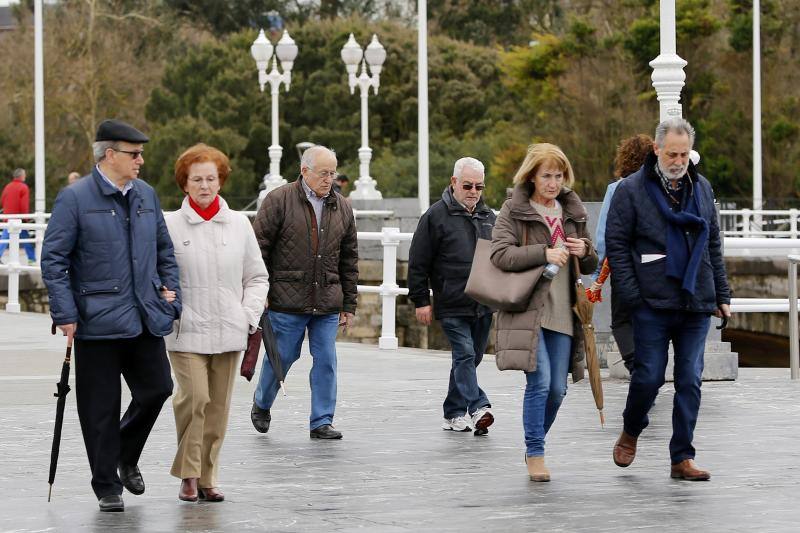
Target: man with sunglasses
(108,264)
(440,258)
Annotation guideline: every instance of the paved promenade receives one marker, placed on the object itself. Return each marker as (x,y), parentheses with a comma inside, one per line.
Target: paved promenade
(395,470)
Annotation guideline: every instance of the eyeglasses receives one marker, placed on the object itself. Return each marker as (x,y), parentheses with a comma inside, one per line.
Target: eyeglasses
(135,154)
(468,186)
(325,174)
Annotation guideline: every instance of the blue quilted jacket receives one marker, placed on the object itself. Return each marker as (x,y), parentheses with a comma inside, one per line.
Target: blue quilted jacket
(104,260)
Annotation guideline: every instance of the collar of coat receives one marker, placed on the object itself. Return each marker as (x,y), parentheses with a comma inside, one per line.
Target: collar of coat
(455,208)
(331,200)
(520,206)
(192,217)
(650,172)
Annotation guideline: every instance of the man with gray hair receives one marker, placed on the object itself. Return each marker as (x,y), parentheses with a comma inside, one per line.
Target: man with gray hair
(307,235)
(440,258)
(110,271)
(663,244)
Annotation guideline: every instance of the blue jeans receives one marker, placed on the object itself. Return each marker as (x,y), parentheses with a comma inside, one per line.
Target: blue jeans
(30,250)
(653,329)
(545,389)
(468,337)
(290,330)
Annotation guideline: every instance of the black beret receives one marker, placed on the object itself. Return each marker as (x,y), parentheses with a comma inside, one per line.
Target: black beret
(116,130)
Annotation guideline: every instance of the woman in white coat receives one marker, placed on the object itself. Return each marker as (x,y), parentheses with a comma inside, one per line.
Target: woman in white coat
(224,287)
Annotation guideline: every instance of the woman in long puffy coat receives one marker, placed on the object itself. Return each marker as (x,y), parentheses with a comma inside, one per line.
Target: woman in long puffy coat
(544,222)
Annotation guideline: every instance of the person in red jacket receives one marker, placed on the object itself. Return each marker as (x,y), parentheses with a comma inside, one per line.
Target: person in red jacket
(14,200)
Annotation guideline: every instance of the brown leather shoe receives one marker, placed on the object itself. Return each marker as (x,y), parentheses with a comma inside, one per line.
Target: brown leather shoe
(689,471)
(624,450)
(211,494)
(188,491)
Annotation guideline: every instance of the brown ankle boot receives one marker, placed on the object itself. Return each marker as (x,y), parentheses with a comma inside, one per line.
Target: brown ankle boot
(689,471)
(536,468)
(624,450)
(188,491)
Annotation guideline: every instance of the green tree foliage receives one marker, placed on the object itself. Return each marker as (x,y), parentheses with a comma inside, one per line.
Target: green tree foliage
(211,95)
(502,75)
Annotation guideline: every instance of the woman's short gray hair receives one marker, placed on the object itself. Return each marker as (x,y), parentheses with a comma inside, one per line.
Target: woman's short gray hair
(676,125)
(310,155)
(99,149)
(470,162)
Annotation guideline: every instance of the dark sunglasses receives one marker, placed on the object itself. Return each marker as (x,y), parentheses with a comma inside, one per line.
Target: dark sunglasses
(133,154)
(469,186)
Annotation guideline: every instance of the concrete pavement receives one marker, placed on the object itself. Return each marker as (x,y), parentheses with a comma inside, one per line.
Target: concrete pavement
(395,470)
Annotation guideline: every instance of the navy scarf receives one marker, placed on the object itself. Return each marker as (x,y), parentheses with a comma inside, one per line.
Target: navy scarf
(683,264)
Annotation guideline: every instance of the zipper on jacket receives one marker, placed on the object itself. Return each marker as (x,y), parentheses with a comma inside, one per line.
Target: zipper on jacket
(102,211)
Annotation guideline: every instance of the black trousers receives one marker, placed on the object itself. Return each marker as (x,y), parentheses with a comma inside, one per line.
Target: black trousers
(143,362)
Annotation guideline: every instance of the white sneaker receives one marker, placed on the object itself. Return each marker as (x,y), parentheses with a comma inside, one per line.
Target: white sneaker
(459,423)
(481,420)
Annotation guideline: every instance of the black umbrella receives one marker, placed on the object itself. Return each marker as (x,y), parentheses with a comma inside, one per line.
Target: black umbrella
(61,394)
(271,347)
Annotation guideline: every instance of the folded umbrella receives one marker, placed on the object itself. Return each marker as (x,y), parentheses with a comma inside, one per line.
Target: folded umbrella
(584,310)
(61,393)
(271,347)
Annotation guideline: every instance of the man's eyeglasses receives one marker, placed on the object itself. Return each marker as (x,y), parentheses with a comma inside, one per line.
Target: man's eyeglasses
(468,186)
(325,174)
(135,154)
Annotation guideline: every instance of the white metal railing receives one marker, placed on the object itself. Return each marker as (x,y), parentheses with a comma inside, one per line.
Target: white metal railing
(357,213)
(15,226)
(389,290)
(760,223)
(794,338)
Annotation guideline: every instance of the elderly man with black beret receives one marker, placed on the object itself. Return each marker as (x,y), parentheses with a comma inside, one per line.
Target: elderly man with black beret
(112,279)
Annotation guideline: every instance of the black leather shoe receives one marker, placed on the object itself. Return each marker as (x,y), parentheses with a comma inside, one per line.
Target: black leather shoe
(131,478)
(260,418)
(325,432)
(112,504)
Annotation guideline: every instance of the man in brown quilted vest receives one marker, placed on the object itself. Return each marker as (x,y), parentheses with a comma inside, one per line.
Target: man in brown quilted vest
(307,235)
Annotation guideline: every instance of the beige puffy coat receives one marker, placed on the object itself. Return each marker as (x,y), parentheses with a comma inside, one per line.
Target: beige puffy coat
(518,333)
(223,280)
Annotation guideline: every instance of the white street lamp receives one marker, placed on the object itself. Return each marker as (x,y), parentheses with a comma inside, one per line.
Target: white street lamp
(374,56)
(285,52)
(757,176)
(668,76)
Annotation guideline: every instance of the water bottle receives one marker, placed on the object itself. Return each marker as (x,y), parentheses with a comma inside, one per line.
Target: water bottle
(551,270)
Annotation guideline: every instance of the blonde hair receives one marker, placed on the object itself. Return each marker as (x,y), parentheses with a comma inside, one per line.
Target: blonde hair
(541,154)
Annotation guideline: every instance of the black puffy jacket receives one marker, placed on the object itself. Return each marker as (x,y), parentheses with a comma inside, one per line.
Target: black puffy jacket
(635,227)
(441,256)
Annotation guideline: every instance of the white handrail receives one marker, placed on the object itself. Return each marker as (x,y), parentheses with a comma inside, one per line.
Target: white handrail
(390,239)
(794,338)
(752,222)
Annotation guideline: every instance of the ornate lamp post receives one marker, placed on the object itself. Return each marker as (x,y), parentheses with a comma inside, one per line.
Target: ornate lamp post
(374,56)
(285,52)
(668,76)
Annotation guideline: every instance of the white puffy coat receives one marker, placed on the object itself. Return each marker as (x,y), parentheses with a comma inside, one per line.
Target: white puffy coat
(223,280)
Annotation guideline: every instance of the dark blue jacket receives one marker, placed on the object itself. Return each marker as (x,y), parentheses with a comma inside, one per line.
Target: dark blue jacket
(104,259)
(635,227)
(441,255)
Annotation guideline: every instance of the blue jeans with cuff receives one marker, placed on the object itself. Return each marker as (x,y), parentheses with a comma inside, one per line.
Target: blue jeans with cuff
(290,330)
(545,389)
(468,337)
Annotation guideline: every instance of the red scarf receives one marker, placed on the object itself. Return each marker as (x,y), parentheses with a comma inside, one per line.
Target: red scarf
(209,212)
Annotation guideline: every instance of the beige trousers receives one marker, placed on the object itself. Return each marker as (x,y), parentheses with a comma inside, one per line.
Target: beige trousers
(201,404)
